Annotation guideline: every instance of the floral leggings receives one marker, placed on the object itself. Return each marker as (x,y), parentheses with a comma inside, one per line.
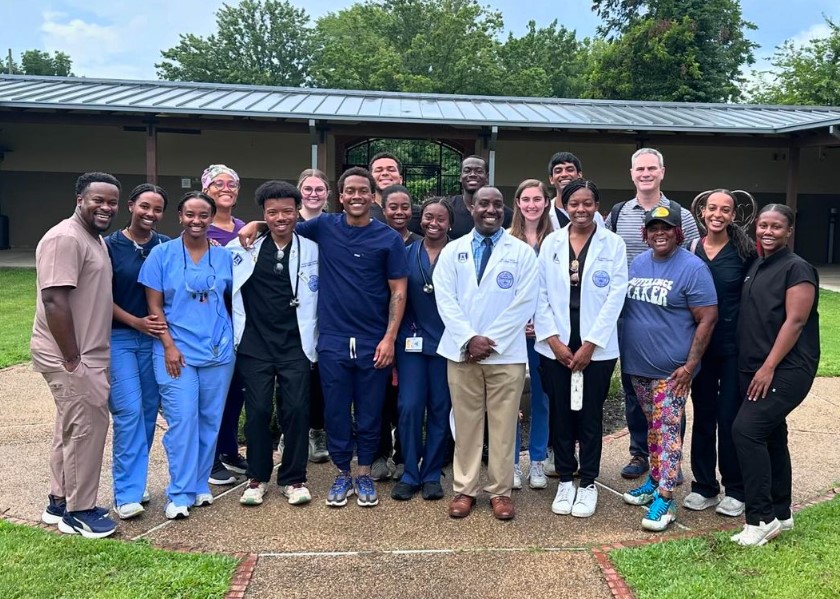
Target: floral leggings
(663,411)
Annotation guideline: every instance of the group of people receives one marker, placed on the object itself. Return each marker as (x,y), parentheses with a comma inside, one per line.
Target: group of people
(392,332)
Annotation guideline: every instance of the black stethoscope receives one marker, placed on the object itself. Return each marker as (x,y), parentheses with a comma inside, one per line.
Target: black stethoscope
(427,286)
(295,302)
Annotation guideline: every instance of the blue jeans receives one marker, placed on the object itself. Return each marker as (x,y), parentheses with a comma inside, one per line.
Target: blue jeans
(133,402)
(538,441)
(192,406)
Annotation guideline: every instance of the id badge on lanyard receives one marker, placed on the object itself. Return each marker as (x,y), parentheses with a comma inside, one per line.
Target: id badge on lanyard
(414,344)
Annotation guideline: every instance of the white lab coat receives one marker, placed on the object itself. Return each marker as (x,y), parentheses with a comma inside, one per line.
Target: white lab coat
(603,289)
(304,267)
(555,224)
(497,308)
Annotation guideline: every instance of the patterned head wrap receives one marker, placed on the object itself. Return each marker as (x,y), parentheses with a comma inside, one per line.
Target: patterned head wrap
(213,171)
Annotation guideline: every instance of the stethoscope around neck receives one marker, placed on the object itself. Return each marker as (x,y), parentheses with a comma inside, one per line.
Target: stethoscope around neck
(428,287)
(295,302)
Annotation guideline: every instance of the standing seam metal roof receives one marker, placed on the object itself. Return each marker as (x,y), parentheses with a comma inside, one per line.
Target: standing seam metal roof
(166,97)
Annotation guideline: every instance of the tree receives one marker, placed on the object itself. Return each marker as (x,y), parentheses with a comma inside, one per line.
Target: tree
(809,74)
(671,50)
(37,62)
(543,62)
(257,42)
(445,46)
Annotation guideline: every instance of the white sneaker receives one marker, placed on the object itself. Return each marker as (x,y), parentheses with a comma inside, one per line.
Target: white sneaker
(698,503)
(129,510)
(146,496)
(730,506)
(203,499)
(536,476)
(756,536)
(254,493)
(548,464)
(517,477)
(786,524)
(297,494)
(176,512)
(564,499)
(586,501)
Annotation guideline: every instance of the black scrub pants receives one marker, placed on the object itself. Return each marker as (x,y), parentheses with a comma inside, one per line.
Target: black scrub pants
(760,436)
(585,425)
(292,384)
(716,400)
(316,405)
(388,447)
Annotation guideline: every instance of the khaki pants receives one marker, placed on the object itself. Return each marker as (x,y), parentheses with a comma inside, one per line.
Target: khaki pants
(81,425)
(476,389)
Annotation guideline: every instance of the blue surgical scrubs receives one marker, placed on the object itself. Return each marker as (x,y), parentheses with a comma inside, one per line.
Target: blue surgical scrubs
(424,391)
(134,397)
(200,325)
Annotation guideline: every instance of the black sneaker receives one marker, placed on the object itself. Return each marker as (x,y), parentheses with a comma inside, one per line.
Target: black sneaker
(432,491)
(220,475)
(234,462)
(54,511)
(403,491)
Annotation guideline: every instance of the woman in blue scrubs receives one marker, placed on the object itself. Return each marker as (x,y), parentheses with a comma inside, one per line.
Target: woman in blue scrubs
(423,391)
(134,398)
(188,287)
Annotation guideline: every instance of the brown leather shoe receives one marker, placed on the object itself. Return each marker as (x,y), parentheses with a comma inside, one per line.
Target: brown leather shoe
(502,507)
(461,506)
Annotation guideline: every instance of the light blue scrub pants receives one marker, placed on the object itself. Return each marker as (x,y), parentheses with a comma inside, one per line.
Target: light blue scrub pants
(133,402)
(538,440)
(192,406)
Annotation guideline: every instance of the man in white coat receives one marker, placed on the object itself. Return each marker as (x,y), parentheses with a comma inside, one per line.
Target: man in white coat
(486,290)
(275,295)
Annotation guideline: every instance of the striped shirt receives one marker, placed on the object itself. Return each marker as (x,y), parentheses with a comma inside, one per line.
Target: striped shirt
(631,221)
(478,246)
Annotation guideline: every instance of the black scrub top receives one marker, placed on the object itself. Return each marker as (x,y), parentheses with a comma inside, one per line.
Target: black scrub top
(464,222)
(763,313)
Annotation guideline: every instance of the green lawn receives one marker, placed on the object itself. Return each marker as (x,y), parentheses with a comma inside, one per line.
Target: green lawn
(17,308)
(829,333)
(36,563)
(802,563)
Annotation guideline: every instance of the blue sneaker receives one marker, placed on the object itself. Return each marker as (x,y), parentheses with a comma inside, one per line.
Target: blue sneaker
(340,490)
(642,495)
(660,514)
(91,524)
(366,491)
(637,466)
(56,507)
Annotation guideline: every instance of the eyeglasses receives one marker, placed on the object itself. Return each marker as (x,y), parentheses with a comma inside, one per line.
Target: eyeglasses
(313,191)
(220,185)
(574,277)
(278,267)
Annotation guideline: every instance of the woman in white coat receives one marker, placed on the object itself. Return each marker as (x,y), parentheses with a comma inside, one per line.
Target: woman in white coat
(583,282)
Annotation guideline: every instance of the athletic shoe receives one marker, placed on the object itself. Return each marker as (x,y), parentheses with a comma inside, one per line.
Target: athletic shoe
(146,496)
(365,491)
(432,491)
(637,466)
(536,476)
(318,453)
(54,511)
(220,475)
(517,477)
(380,470)
(404,491)
(399,470)
(586,500)
(786,524)
(234,462)
(297,493)
(91,524)
(564,499)
(730,506)
(203,500)
(129,510)
(176,512)
(253,493)
(698,503)
(756,536)
(642,495)
(340,490)
(660,514)
(548,464)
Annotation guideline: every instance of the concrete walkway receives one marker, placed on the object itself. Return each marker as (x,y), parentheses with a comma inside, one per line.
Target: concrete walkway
(395,549)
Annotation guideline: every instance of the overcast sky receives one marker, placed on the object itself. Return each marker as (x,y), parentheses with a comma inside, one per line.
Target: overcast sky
(123,38)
